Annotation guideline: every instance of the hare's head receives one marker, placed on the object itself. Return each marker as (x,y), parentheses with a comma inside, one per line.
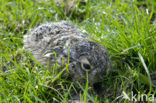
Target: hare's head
(88,57)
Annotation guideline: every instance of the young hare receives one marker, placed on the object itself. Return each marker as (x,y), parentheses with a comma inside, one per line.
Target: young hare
(63,42)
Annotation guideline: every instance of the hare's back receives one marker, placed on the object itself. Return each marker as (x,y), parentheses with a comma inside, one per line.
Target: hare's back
(49,35)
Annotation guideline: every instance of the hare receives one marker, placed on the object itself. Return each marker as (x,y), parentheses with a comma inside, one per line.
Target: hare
(63,42)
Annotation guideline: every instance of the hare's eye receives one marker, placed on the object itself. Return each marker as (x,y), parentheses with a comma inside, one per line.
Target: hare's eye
(86,66)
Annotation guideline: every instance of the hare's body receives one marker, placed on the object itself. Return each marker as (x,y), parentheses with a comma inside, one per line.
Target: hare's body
(64,41)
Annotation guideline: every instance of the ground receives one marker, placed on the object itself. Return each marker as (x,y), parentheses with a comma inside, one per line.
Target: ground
(125,27)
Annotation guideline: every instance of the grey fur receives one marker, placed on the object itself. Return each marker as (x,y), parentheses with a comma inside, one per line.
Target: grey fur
(65,40)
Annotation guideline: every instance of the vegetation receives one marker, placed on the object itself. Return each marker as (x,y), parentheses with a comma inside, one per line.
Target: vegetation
(125,27)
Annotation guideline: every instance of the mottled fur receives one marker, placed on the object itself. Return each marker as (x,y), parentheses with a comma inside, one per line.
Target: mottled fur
(65,40)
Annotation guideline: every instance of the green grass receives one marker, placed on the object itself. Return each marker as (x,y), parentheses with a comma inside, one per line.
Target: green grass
(125,27)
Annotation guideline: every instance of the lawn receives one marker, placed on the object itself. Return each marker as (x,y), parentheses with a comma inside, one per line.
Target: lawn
(127,28)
